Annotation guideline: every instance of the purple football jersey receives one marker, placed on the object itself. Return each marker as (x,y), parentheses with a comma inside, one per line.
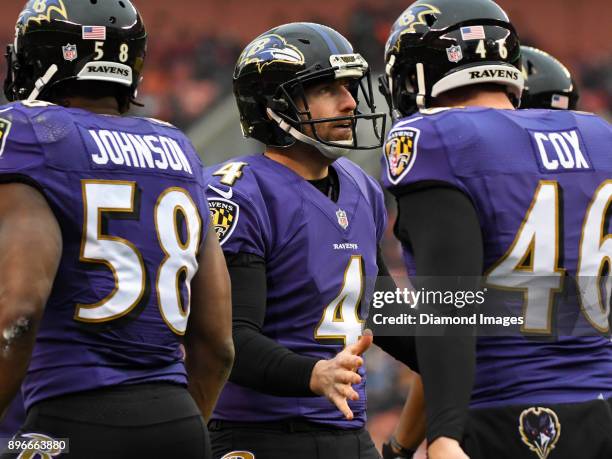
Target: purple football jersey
(320,261)
(127,194)
(540,181)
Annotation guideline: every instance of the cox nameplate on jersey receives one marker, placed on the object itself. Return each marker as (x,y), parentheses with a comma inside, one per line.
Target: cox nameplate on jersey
(560,151)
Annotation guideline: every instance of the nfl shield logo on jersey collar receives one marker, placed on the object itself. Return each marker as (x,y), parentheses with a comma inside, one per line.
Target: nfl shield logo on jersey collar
(70,52)
(342,218)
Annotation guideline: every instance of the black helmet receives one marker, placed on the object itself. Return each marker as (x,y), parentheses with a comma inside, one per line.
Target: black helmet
(548,83)
(61,40)
(272,72)
(438,45)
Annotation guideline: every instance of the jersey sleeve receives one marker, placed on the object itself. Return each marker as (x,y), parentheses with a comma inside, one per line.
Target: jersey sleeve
(236,214)
(202,202)
(22,158)
(379,209)
(415,152)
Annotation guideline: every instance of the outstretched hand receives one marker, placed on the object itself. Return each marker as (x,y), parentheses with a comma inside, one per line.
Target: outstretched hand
(335,377)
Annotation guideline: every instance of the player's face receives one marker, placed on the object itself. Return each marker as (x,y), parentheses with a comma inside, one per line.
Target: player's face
(329,100)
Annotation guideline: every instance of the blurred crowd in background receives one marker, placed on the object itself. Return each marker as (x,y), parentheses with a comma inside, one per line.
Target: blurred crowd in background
(188,69)
(190,63)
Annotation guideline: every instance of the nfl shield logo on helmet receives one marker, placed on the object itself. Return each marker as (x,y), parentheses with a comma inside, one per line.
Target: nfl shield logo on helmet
(454,53)
(70,52)
(342,218)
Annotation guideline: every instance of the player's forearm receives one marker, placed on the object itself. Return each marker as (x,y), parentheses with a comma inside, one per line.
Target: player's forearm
(208,368)
(447,368)
(21,310)
(448,250)
(264,365)
(16,344)
(209,350)
(411,427)
(261,363)
(30,251)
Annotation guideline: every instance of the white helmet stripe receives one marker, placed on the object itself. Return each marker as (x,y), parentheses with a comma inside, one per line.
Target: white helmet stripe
(506,75)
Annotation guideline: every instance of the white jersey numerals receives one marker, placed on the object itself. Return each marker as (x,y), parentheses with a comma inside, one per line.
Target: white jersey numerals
(125,261)
(180,260)
(595,252)
(531,263)
(340,320)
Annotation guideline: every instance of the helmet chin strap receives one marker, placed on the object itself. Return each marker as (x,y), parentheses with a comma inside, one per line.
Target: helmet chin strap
(41,83)
(395,113)
(420,99)
(326,150)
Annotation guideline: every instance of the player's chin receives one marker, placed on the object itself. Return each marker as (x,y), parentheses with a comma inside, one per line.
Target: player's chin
(338,134)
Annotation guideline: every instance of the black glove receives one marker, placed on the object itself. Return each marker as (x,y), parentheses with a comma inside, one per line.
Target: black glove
(389,450)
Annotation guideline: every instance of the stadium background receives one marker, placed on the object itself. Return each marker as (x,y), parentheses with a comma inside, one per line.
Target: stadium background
(194,44)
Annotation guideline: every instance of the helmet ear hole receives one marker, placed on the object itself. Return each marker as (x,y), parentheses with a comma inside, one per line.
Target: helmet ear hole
(531,69)
(279,105)
(430,19)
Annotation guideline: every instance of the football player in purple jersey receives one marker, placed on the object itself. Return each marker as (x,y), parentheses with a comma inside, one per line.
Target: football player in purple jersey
(106,262)
(300,227)
(519,197)
(550,85)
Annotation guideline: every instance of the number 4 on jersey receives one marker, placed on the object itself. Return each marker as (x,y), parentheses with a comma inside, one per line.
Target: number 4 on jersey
(340,320)
(230,172)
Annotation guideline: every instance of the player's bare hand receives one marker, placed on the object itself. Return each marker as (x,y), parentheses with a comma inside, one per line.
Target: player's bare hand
(445,448)
(421,452)
(335,377)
